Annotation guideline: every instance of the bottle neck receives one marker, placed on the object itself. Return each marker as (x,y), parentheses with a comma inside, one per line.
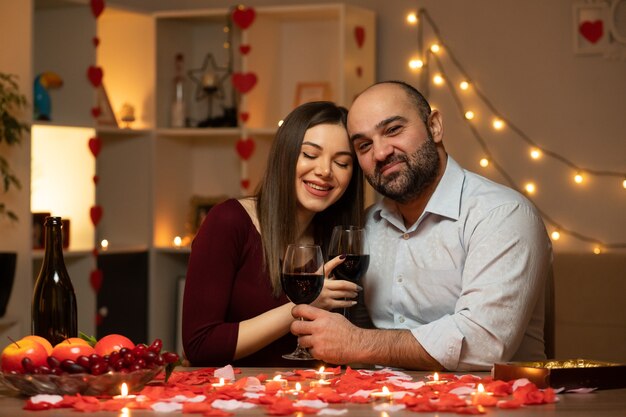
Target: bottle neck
(54,243)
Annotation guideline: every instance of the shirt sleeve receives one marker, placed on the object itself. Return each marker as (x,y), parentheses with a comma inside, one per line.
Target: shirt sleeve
(213,264)
(507,262)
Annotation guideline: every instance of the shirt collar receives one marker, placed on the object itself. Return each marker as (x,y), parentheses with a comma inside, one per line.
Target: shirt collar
(445,201)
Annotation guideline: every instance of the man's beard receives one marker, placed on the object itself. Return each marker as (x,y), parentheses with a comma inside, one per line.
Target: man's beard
(405,185)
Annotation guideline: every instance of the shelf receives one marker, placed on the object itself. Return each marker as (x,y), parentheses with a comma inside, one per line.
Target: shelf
(234,132)
(185,250)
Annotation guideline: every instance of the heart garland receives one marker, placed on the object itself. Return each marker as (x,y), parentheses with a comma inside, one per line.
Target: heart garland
(244,49)
(244,82)
(95,279)
(245,148)
(95,75)
(95,212)
(97,7)
(95,145)
(243,16)
(359,35)
(592,31)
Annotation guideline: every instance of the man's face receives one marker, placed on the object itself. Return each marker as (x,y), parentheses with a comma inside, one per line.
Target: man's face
(395,149)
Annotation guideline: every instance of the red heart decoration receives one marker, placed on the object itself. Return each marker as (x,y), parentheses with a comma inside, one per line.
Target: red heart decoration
(95,75)
(245,184)
(244,49)
(359,71)
(97,6)
(95,279)
(359,35)
(96,41)
(94,252)
(96,214)
(95,144)
(244,16)
(245,148)
(244,82)
(95,112)
(96,179)
(592,31)
(244,116)
(99,319)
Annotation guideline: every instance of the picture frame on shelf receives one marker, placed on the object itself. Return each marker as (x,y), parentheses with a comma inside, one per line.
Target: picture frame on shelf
(312,91)
(591,28)
(106,116)
(199,208)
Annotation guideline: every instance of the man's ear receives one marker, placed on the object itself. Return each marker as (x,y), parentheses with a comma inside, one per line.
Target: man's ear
(435,125)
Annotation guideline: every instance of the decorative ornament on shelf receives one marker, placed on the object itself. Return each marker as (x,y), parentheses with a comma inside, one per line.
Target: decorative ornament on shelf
(501,123)
(42,103)
(209,80)
(244,81)
(127,115)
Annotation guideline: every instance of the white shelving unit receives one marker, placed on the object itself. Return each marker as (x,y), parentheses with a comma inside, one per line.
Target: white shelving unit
(148,174)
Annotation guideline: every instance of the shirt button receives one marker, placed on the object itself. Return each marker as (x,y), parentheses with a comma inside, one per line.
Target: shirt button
(400,279)
(405,236)
(401,319)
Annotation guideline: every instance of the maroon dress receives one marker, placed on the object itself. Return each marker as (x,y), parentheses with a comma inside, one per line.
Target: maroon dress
(226,284)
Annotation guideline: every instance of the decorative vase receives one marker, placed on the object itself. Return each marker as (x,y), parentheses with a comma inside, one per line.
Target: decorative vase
(8,261)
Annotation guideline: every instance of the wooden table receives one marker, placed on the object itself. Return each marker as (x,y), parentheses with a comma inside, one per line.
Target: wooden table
(605,403)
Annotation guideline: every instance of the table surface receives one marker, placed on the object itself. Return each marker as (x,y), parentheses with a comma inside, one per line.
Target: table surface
(603,403)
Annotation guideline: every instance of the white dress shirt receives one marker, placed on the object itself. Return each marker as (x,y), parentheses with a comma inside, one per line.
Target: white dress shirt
(468,278)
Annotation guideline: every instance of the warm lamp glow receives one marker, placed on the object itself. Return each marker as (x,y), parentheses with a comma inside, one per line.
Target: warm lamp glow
(578,178)
(178,241)
(484,162)
(416,64)
(597,250)
(555,235)
(498,124)
(435,48)
(464,85)
(104,244)
(530,188)
(469,115)
(438,79)
(624,184)
(535,153)
(411,18)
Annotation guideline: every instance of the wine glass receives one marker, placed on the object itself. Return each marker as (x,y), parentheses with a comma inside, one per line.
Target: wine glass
(302,279)
(350,241)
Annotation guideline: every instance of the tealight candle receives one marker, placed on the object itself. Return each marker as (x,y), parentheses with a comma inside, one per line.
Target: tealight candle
(323,373)
(124,393)
(480,397)
(296,391)
(319,383)
(435,380)
(219,384)
(282,382)
(383,394)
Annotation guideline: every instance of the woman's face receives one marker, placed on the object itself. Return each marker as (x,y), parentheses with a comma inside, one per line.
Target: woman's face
(324,167)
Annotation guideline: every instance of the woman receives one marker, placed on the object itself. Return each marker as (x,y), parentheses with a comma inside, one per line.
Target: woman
(234,310)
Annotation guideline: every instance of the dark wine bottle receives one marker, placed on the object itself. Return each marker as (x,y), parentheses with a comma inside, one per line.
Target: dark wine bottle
(54,314)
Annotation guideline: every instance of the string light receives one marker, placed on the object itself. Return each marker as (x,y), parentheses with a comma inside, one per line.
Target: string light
(411,18)
(435,48)
(416,64)
(597,250)
(484,162)
(536,151)
(555,235)
(469,115)
(578,178)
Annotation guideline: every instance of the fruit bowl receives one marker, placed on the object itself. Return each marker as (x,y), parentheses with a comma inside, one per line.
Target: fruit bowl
(84,384)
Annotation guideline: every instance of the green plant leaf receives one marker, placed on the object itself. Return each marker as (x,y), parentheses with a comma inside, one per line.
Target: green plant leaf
(89,339)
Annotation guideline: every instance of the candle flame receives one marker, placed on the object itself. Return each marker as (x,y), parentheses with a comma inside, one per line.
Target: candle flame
(386,390)
(481,388)
(321,369)
(124,390)
(277,378)
(221,381)
(298,386)
(436,377)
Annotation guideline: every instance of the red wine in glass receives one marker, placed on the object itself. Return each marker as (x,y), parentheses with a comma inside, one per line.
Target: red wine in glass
(302,279)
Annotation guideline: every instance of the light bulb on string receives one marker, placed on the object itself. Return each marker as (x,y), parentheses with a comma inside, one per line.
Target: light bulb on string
(434,48)
(530,187)
(438,79)
(578,178)
(597,250)
(555,235)
(535,153)
(624,183)
(469,115)
(411,18)
(484,162)
(498,124)
(416,63)
(464,85)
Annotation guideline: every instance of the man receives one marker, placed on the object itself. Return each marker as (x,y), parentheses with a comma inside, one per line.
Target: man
(458,263)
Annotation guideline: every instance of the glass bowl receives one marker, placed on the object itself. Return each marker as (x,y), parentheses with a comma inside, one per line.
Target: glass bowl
(84,384)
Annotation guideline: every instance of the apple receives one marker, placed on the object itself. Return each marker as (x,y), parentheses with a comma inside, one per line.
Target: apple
(71,349)
(111,343)
(12,355)
(41,340)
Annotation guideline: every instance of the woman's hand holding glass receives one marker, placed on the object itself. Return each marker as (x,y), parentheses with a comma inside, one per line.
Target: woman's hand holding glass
(337,293)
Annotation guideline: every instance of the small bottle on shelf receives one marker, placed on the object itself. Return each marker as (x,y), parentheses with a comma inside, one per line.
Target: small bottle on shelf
(54,315)
(178,116)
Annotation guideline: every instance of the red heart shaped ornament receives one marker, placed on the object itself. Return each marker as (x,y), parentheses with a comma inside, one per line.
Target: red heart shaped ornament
(95,112)
(95,75)
(244,49)
(244,116)
(95,144)
(592,31)
(243,16)
(95,279)
(96,179)
(244,82)
(245,148)
(359,35)
(245,184)
(359,71)
(96,214)
(96,41)
(97,6)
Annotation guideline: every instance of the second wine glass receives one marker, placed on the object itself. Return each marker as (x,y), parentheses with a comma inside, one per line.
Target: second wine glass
(349,241)
(302,279)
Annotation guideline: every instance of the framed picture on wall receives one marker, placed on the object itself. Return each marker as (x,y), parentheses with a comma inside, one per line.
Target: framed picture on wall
(315,91)
(106,116)
(199,207)
(591,27)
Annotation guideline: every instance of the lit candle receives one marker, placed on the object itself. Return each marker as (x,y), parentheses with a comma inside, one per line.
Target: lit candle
(208,80)
(296,391)
(480,397)
(384,394)
(435,380)
(319,383)
(178,241)
(124,393)
(219,384)
(323,373)
(282,383)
